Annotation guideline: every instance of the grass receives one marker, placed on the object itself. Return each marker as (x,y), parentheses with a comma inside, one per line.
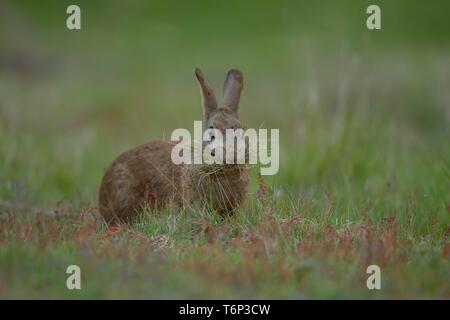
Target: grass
(364,156)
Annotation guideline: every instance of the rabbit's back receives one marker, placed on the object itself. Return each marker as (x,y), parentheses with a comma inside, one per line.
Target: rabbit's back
(141,177)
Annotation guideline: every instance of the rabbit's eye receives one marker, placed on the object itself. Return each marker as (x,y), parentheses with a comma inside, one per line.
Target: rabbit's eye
(212,135)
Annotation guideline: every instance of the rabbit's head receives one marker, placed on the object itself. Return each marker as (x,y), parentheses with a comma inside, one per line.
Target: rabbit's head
(224,116)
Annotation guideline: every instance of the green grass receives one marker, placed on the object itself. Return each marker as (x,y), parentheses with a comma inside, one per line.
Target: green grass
(364,158)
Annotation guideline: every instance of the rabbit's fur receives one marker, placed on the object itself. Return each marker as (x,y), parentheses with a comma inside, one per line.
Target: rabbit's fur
(146,176)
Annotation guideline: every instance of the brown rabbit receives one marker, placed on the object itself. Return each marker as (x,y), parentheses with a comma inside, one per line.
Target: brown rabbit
(146,177)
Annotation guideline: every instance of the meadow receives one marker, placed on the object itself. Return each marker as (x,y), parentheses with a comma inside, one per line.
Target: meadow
(364,120)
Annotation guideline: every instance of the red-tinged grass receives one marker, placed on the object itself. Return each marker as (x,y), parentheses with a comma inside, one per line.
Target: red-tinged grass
(274,257)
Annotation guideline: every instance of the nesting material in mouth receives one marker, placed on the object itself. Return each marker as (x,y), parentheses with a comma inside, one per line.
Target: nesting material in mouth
(221,168)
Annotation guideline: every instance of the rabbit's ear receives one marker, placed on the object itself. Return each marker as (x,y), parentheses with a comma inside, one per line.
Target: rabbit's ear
(208,99)
(232,89)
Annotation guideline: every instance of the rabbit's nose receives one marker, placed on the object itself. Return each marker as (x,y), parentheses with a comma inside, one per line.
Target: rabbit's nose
(213,153)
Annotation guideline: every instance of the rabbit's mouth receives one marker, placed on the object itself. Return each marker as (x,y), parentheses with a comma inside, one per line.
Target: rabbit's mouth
(222,168)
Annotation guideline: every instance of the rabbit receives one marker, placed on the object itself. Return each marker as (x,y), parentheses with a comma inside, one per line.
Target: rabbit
(145,177)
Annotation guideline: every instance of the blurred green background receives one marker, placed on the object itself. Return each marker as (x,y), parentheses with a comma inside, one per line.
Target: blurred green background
(72,100)
(363,115)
